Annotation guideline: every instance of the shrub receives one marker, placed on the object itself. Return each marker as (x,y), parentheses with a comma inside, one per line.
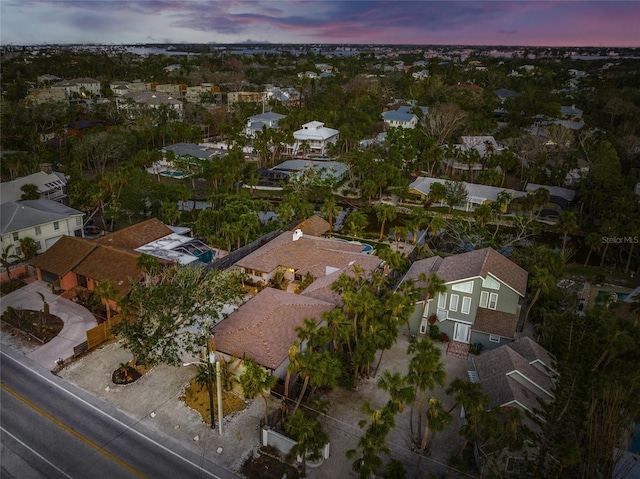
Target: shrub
(444,337)
(475,348)
(434,331)
(432,319)
(11,286)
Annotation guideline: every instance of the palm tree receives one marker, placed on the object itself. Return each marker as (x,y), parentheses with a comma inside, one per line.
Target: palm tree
(254,381)
(425,371)
(437,418)
(474,402)
(567,223)
(310,437)
(28,248)
(483,214)
(7,258)
(401,392)
(384,213)
(542,281)
(373,442)
(436,225)
(435,286)
(330,210)
(107,290)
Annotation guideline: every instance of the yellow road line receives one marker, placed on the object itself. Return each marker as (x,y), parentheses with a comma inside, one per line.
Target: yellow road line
(76,434)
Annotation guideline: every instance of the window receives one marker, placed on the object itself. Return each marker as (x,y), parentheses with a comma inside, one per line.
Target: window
(453,302)
(493,300)
(18,251)
(484,299)
(15,237)
(38,246)
(78,221)
(494,339)
(466,305)
(423,326)
(490,283)
(466,287)
(442,301)
(56,225)
(38,231)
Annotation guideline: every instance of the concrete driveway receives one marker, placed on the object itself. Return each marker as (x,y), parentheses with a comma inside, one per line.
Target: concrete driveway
(77,320)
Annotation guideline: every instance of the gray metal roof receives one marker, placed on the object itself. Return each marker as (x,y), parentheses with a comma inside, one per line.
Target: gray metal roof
(191,149)
(20,215)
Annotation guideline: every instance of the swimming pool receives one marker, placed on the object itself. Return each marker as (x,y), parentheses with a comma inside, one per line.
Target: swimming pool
(604,294)
(173,174)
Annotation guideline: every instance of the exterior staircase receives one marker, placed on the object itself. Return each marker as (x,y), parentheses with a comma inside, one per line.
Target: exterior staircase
(458,349)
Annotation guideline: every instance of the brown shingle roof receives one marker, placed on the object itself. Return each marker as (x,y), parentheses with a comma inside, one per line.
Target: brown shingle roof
(136,235)
(476,263)
(493,368)
(309,254)
(495,322)
(66,253)
(111,264)
(314,226)
(264,327)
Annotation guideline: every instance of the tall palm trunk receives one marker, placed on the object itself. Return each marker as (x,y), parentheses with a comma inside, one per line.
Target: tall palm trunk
(304,390)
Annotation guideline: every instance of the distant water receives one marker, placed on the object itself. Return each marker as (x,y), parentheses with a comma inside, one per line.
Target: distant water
(155,51)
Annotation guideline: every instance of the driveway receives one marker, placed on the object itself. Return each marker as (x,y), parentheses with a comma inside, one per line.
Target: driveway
(77,320)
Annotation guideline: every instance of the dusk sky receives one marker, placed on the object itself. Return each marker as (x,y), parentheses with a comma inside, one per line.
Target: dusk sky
(522,22)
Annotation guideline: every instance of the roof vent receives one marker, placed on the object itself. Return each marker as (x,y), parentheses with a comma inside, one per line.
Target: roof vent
(297,234)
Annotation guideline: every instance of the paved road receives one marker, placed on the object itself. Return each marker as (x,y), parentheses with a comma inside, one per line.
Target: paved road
(51,429)
(76,321)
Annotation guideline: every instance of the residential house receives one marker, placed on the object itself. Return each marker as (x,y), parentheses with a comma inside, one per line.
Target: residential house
(476,194)
(420,75)
(503,94)
(74,262)
(403,117)
(186,150)
(81,262)
(287,96)
(81,87)
(45,95)
(332,171)
(44,221)
(516,375)
(149,98)
(264,328)
(317,136)
(483,146)
(295,255)
(256,123)
(194,94)
(483,299)
(245,97)
(176,90)
(50,185)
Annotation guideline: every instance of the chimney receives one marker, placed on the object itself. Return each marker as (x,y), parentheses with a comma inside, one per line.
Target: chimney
(46,168)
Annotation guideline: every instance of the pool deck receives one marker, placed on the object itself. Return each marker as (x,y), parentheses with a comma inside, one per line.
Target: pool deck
(593,289)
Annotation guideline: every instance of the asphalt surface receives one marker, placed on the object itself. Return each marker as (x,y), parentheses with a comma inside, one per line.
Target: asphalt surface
(52,429)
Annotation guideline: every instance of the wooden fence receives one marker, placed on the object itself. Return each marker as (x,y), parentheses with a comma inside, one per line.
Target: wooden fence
(101,333)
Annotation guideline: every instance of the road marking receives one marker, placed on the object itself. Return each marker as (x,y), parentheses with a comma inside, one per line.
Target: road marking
(35,453)
(73,432)
(129,428)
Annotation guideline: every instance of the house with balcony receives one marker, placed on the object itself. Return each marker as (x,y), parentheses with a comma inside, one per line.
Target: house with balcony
(315,136)
(256,123)
(482,303)
(50,185)
(44,221)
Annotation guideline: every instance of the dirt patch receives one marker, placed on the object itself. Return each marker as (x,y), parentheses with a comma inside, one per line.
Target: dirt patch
(269,464)
(197,398)
(31,324)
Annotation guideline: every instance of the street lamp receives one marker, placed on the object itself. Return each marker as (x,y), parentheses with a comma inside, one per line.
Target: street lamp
(211,359)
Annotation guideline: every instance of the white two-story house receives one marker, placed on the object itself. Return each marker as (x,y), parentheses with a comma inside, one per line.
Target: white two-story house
(317,136)
(483,299)
(44,221)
